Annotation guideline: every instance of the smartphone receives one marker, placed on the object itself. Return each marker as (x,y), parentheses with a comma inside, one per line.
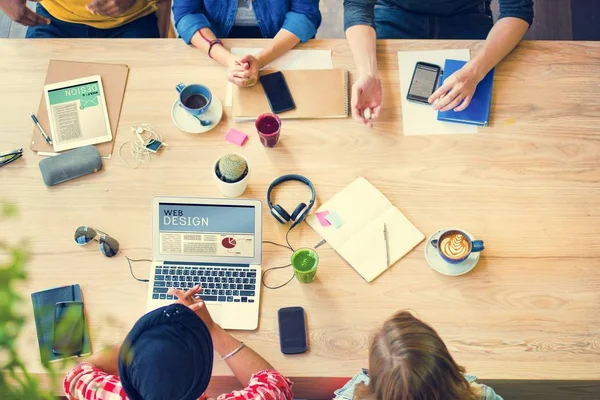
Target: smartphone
(277,91)
(69,326)
(153,145)
(292,330)
(424,82)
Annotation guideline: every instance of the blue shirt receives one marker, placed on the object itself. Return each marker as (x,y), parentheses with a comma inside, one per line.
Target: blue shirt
(300,17)
(360,12)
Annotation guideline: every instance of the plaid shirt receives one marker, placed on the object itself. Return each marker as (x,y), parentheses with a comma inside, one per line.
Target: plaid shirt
(86,382)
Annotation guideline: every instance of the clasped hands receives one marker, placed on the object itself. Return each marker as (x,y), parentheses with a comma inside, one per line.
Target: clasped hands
(455,94)
(243,71)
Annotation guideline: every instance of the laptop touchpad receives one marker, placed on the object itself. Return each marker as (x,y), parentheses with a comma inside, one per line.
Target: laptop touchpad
(215,312)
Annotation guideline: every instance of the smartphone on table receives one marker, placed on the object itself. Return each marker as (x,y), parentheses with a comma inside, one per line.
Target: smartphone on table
(69,328)
(277,91)
(424,82)
(292,330)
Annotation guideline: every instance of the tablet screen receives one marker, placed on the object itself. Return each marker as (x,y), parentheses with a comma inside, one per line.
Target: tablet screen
(78,113)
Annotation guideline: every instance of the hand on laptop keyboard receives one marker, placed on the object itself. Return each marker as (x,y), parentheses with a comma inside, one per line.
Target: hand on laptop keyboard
(189,298)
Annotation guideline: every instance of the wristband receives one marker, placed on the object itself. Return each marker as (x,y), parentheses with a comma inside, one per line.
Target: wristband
(233,353)
(210,42)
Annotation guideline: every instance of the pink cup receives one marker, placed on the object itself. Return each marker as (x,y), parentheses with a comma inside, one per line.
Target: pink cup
(268,127)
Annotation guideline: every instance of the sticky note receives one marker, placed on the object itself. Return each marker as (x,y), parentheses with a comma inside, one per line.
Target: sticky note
(321,216)
(335,220)
(236,137)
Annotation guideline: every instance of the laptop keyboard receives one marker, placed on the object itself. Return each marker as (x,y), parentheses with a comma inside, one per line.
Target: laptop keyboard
(220,284)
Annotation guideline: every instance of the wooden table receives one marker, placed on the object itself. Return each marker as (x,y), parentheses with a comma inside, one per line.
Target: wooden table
(529,185)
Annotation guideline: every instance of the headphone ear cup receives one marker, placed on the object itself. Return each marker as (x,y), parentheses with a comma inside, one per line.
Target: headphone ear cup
(280,214)
(299,213)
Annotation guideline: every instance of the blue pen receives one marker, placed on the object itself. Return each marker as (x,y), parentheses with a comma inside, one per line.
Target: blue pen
(37,123)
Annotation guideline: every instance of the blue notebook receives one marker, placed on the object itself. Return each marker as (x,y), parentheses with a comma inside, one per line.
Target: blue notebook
(478,112)
(43,313)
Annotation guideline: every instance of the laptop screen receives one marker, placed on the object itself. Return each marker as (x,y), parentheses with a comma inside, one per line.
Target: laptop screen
(207,230)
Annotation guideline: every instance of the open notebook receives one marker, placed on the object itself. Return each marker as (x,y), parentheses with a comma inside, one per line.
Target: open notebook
(319,93)
(360,240)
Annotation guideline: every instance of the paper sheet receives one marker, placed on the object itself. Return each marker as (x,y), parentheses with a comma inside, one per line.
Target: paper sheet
(420,119)
(293,59)
(236,137)
(335,219)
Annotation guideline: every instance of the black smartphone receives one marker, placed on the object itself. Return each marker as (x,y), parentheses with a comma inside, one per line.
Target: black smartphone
(277,91)
(292,330)
(424,82)
(69,326)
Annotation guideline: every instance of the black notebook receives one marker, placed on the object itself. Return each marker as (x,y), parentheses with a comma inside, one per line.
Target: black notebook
(43,312)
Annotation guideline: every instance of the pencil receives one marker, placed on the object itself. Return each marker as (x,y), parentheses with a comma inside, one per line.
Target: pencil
(387,247)
(37,123)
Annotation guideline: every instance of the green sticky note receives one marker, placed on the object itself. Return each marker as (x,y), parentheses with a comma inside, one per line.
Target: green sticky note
(335,220)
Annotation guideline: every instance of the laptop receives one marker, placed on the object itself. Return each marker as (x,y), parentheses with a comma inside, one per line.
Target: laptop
(216,243)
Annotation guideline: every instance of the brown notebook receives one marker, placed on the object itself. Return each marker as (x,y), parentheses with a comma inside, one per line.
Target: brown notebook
(114,81)
(319,93)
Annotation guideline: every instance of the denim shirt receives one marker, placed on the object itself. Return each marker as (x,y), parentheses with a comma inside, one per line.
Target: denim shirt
(360,12)
(347,392)
(300,17)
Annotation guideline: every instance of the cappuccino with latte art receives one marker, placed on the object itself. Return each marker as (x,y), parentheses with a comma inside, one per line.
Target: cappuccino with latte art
(455,246)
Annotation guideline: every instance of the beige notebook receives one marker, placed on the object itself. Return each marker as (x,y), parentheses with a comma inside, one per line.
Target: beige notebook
(319,93)
(114,81)
(360,240)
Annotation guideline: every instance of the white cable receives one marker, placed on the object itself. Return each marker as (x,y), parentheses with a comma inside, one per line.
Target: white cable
(138,149)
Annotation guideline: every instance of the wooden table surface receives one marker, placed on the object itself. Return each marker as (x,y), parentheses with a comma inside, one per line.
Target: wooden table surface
(529,185)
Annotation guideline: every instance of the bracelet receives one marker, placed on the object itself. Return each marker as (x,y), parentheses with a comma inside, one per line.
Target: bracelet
(233,353)
(210,42)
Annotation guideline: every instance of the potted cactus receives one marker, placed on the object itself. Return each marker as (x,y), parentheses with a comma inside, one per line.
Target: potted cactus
(231,173)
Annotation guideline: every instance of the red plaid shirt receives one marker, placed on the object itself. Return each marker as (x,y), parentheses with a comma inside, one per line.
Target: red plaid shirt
(86,382)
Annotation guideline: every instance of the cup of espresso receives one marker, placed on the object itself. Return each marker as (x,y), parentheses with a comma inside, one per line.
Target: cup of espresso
(195,99)
(455,246)
(268,127)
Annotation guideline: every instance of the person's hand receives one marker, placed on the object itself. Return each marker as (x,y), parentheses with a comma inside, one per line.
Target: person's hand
(111,8)
(366,95)
(457,91)
(18,12)
(195,304)
(244,72)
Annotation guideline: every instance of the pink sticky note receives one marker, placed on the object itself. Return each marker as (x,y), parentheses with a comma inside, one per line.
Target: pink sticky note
(321,216)
(236,137)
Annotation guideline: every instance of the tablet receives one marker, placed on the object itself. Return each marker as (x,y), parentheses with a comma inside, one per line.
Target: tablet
(77,113)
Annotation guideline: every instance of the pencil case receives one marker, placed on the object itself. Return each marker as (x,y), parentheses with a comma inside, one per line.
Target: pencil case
(70,165)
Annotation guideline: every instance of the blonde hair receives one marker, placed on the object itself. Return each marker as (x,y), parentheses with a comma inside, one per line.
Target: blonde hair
(409,361)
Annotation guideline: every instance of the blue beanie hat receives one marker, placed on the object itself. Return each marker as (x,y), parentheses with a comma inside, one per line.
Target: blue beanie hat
(168,355)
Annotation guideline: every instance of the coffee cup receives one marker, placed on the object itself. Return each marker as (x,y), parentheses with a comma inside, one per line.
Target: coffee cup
(195,99)
(455,246)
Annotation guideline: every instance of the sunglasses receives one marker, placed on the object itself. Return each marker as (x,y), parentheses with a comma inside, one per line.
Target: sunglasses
(108,246)
(8,157)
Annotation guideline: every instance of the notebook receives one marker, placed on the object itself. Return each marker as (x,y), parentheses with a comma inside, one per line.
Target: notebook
(43,313)
(320,93)
(360,240)
(478,112)
(114,81)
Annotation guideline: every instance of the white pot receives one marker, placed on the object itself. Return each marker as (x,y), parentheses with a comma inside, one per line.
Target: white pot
(235,189)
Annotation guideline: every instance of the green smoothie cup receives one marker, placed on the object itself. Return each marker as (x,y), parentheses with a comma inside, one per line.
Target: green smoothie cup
(304,262)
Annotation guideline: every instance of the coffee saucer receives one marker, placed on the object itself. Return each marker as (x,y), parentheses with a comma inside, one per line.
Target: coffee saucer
(436,262)
(190,124)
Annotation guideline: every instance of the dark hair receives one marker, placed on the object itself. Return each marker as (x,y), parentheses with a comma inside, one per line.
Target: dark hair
(409,361)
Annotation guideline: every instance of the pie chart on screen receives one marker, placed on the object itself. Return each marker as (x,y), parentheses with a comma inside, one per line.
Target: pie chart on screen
(228,243)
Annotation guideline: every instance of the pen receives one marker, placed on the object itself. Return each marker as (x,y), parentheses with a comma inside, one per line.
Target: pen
(387,247)
(37,123)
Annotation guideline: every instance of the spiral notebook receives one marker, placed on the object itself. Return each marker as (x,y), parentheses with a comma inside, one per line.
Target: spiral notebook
(320,93)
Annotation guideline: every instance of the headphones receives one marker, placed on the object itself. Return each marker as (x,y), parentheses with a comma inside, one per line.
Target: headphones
(301,211)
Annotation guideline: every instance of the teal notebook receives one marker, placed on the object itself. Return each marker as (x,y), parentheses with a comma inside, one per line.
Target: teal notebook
(43,312)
